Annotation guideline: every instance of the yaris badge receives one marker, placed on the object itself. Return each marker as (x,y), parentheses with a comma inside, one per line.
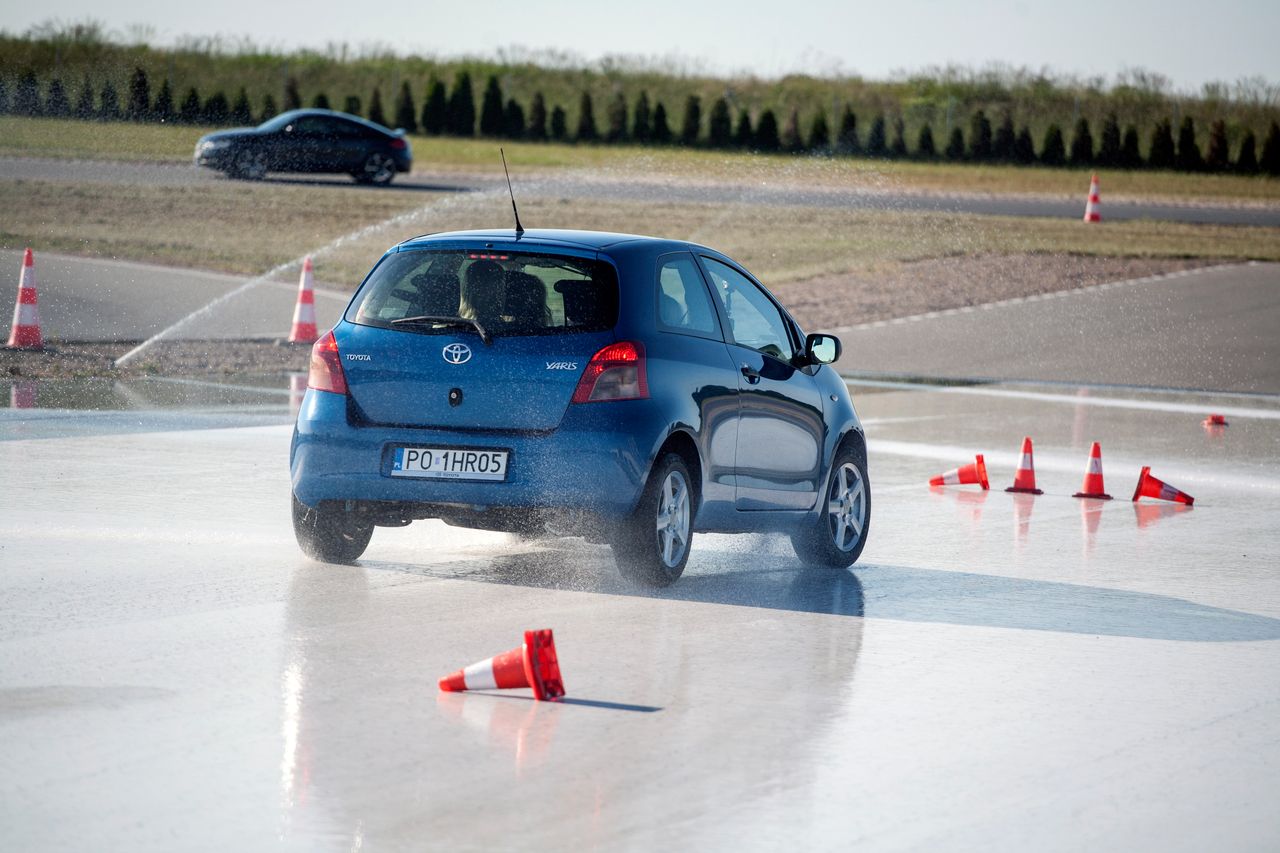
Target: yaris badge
(457,353)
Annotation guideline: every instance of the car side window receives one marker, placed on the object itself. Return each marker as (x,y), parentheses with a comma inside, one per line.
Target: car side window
(312,126)
(683,302)
(754,321)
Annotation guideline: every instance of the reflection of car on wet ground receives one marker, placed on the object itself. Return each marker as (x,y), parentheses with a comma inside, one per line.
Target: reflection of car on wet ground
(308,141)
(627,389)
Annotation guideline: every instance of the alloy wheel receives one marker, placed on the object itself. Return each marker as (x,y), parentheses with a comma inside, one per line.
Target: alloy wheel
(673,520)
(847,507)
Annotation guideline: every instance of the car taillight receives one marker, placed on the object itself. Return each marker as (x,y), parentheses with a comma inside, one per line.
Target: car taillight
(398,144)
(616,372)
(326,367)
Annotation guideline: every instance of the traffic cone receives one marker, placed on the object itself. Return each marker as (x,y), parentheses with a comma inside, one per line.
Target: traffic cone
(1150,487)
(304,312)
(1215,421)
(1093,487)
(974,473)
(25,333)
(1025,480)
(1093,207)
(533,665)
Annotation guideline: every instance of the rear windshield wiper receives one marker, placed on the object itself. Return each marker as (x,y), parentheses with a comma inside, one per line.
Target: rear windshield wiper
(443,320)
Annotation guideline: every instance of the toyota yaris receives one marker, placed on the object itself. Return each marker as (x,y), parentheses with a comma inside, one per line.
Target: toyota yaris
(627,389)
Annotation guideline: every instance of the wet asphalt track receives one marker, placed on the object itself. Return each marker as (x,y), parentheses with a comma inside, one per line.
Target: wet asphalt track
(879,195)
(997,672)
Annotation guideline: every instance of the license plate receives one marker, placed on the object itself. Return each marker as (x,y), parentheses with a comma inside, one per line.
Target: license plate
(449,463)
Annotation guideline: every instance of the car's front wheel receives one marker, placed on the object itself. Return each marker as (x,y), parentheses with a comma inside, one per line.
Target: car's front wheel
(652,545)
(838,535)
(249,165)
(379,170)
(328,533)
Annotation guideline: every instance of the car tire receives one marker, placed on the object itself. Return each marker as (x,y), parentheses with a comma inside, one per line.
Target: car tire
(329,534)
(377,170)
(248,165)
(652,546)
(838,535)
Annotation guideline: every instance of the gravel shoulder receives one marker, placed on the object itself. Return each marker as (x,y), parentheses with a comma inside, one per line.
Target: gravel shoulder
(896,290)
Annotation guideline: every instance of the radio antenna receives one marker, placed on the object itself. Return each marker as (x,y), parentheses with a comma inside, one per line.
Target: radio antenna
(519,227)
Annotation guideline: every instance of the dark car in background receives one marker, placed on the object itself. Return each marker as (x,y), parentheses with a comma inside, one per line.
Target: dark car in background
(627,389)
(309,141)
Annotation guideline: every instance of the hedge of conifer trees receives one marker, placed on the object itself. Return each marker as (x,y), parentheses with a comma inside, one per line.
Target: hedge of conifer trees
(451,111)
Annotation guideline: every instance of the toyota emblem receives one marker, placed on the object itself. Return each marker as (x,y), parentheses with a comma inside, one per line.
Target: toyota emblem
(457,353)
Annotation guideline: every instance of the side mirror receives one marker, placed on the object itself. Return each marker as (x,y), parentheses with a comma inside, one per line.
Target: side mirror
(822,349)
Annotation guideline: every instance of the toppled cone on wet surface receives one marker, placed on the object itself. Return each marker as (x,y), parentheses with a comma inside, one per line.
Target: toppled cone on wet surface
(1150,487)
(25,332)
(533,664)
(1093,486)
(1024,481)
(975,473)
(1215,421)
(304,329)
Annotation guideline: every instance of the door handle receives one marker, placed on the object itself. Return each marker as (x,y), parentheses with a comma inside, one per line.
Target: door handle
(752,375)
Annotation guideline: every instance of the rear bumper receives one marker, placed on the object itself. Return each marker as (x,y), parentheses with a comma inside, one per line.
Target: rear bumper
(595,461)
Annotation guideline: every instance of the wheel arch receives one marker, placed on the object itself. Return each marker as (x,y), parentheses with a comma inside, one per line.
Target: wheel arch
(684,445)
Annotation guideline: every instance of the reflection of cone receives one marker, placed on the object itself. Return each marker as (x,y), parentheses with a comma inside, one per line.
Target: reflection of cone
(25,333)
(1148,514)
(523,731)
(1022,506)
(1091,516)
(22,394)
(297,390)
(1093,208)
(1025,480)
(304,312)
(1150,487)
(975,473)
(532,665)
(1093,487)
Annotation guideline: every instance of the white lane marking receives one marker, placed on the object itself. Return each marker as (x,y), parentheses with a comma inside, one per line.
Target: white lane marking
(1073,400)
(479,676)
(1060,462)
(1036,297)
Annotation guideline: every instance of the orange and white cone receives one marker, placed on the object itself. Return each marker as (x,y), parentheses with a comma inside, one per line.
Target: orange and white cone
(304,312)
(25,333)
(532,665)
(1150,487)
(1093,207)
(1093,487)
(975,473)
(1024,481)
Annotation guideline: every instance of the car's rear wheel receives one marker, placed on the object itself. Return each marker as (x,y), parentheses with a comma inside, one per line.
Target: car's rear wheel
(249,165)
(839,534)
(379,170)
(329,533)
(652,546)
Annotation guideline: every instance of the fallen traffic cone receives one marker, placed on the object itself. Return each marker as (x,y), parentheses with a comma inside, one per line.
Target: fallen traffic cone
(1093,207)
(1093,487)
(1215,421)
(533,665)
(1025,480)
(1150,487)
(304,312)
(25,333)
(974,473)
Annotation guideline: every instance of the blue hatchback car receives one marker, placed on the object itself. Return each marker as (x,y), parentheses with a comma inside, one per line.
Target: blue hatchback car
(627,389)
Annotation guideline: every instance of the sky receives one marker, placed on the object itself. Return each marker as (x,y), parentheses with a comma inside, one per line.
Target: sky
(1176,38)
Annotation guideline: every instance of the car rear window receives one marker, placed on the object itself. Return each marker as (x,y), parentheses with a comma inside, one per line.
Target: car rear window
(509,293)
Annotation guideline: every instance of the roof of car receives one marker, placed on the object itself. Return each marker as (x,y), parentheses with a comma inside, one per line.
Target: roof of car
(592,240)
